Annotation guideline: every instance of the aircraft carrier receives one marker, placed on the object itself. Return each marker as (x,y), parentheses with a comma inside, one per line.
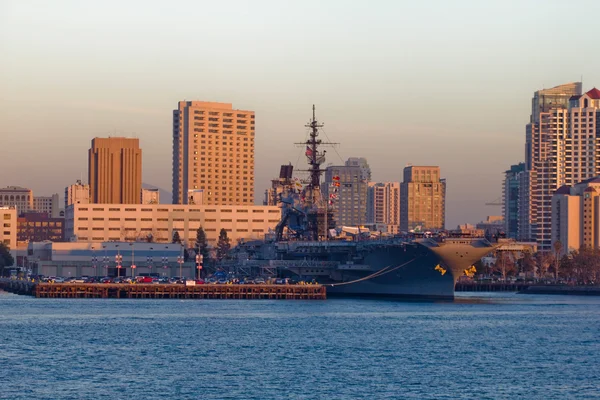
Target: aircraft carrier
(307,247)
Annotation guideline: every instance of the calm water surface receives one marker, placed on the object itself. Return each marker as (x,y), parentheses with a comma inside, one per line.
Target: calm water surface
(479,347)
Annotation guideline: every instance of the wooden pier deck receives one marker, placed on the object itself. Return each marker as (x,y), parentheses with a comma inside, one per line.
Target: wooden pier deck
(178,291)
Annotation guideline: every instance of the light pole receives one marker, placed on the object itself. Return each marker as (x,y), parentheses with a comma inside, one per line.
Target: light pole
(94,260)
(149,259)
(132,260)
(199,259)
(105,260)
(118,261)
(180,261)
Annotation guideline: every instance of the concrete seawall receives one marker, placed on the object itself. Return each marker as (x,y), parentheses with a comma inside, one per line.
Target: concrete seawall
(563,289)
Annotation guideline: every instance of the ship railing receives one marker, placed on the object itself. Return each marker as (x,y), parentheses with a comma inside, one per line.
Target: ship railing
(303,264)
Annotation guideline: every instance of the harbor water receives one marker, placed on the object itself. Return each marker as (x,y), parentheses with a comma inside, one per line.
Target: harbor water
(481,346)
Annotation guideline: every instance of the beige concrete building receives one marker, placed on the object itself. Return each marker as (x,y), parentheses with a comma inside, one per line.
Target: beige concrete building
(213,150)
(47,205)
(383,206)
(423,199)
(8,233)
(132,222)
(150,196)
(77,194)
(576,215)
(18,197)
(115,170)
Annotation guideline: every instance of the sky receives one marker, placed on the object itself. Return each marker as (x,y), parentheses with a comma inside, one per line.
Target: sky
(397,82)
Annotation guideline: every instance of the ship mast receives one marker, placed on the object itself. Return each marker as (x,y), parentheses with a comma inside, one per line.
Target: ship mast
(315,168)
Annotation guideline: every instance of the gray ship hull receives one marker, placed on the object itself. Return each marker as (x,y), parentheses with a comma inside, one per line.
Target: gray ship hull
(408,272)
(423,269)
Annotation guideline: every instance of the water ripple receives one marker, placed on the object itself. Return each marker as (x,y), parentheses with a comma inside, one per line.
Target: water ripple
(479,347)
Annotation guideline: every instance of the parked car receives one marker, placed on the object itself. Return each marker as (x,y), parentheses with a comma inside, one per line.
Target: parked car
(199,282)
(259,281)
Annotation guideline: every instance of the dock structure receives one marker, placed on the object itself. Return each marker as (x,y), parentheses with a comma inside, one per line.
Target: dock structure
(169,291)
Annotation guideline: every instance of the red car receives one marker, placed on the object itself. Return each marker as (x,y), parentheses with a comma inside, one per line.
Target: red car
(144,279)
(199,282)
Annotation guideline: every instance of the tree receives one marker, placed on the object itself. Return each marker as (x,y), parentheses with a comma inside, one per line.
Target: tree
(6,259)
(223,245)
(176,238)
(504,264)
(557,250)
(201,246)
(543,261)
(527,264)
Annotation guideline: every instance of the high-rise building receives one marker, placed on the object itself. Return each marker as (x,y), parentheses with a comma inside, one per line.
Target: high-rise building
(77,194)
(115,170)
(510,192)
(423,199)
(346,187)
(150,196)
(562,148)
(47,205)
(383,206)
(18,197)
(362,163)
(213,150)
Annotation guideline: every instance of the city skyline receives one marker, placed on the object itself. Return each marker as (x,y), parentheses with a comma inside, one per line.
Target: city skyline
(385,91)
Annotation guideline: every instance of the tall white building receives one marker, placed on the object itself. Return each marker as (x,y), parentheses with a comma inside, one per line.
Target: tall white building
(346,188)
(562,148)
(47,205)
(77,194)
(361,162)
(383,206)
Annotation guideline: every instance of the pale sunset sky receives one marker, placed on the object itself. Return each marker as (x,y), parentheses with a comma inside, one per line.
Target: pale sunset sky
(445,83)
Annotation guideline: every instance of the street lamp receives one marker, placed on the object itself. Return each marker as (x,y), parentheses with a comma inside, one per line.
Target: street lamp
(180,261)
(149,259)
(105,260)
(94,260)
(132,260)
(118,261)
(199,259)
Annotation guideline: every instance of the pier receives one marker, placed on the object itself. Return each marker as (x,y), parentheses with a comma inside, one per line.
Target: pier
(165,291)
